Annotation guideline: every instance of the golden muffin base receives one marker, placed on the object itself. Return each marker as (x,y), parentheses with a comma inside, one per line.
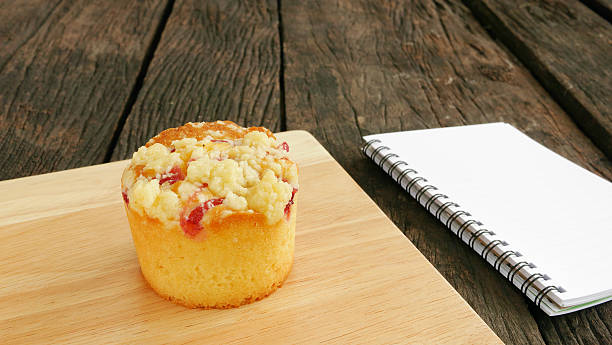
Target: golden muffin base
(235,260)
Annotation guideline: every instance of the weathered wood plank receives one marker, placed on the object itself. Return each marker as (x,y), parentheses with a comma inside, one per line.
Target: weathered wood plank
(216,60)
(66,72)
(601,7)
(568,48)
(21,20)
(359,67)
(590,326)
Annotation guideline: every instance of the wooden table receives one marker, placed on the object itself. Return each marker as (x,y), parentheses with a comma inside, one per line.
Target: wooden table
(85,82)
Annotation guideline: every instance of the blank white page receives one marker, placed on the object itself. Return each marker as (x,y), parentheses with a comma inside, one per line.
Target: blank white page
(557,214)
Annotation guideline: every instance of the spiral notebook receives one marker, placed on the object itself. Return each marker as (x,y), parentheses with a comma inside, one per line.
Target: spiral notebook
(542,221)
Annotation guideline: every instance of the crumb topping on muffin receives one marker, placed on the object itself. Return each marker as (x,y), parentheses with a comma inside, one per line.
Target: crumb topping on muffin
(183,172)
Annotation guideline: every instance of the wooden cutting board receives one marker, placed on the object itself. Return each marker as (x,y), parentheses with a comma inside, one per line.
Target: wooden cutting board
(69,271)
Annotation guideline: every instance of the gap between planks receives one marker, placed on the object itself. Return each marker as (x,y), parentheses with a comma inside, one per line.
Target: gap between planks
(281,71)
(144,67)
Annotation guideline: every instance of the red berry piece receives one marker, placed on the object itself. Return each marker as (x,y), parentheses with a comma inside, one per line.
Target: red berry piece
(284,146)
(219,141)
(125,198)
(174,175)
(191,224)
(212,203)
(288,206)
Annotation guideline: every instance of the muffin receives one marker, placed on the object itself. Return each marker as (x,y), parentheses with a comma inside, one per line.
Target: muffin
(212,209)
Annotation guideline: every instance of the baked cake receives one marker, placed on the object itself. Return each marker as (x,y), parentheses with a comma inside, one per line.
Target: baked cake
(212,209)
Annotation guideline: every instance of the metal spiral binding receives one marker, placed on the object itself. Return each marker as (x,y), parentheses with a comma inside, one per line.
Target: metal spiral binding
(385,159)
(545,292)
(422,191)
(377,150)
(532,279)
(395,165)
(475,235)
(414,181)
(455,217)
(517,267)
(466,225)
(489,248)
(449,222)
(505,255)
(367,146)
(443,208)
(404,173)
(432,199)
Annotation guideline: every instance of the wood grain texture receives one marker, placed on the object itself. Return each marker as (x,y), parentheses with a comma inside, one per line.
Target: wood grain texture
(590,326)
(568,48)
(21,20)
(66,71)
(357,68)
(601,7)
(217,60)
(81,283)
